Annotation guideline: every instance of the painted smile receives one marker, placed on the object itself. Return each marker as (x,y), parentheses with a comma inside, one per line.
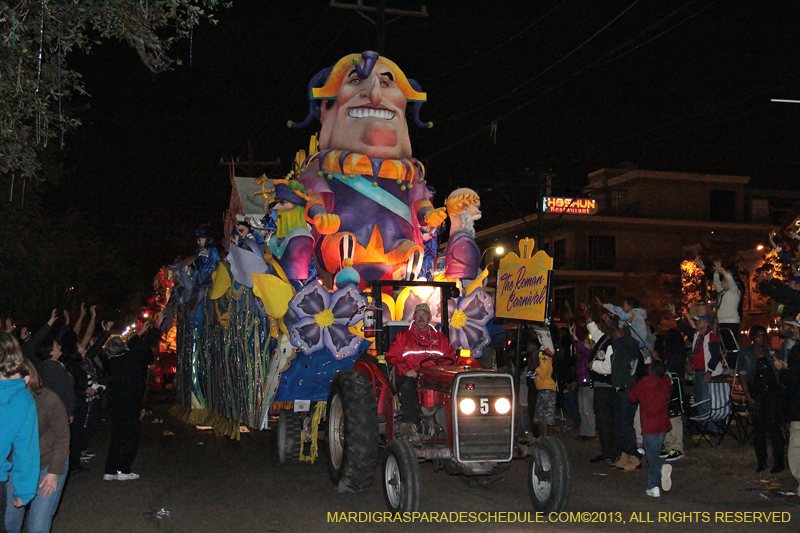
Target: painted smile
(363,112)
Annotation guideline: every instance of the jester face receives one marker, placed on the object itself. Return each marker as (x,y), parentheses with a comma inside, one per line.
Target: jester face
(283,205)
(367,116)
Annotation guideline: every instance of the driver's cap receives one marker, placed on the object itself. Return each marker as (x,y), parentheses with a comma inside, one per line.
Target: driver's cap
(423,307)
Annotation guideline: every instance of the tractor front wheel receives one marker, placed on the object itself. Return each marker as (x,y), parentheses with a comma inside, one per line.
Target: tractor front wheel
(549,475)
(401,477)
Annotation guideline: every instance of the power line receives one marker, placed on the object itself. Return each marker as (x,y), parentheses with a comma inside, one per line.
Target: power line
(609,57)
(545,71)
(603,60)
(743,97)
(494,49)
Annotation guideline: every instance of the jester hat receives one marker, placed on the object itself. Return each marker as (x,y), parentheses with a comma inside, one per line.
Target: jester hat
(326,83)
(291,191)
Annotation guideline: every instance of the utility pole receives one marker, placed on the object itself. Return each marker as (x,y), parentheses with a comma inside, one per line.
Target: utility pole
(380,22)
(544,182)
(251,164)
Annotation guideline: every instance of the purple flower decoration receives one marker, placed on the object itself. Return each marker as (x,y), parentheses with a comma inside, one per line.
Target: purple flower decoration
(323,319)
(468,322)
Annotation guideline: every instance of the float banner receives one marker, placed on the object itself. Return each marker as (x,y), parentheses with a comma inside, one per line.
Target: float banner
(523,284)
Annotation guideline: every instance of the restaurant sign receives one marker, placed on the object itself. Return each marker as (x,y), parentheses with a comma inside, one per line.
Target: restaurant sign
(523,284)
(574,206)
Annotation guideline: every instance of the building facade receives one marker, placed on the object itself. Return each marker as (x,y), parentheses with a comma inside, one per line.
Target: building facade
(630,230)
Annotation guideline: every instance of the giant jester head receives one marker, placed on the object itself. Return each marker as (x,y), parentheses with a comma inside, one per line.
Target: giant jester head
(365,98)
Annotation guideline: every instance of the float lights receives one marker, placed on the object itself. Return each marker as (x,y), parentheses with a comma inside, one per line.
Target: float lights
(760,247)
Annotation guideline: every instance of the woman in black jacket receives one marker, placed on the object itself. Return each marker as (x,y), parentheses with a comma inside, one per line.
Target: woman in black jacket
(126,388)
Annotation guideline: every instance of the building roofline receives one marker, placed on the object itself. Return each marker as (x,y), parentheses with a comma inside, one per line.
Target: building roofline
(594,219)
(631,175)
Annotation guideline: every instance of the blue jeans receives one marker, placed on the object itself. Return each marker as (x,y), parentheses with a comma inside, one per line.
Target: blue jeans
(652,448)
(42,508)
(624,433)
(701,392)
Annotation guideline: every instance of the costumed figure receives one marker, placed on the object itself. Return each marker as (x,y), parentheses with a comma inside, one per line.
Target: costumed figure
(430,242)
(292,245)
(463,256)
(243,231)
(367,198)
(206,258)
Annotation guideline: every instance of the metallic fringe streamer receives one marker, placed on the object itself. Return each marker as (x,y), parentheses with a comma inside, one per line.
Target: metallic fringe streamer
(314,451)
(232,364)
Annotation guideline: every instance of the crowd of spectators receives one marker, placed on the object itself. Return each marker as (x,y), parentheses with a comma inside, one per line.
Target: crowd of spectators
(52,383)
(608,374)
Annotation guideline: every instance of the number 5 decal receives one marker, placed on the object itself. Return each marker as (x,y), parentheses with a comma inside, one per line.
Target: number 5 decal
(484,406)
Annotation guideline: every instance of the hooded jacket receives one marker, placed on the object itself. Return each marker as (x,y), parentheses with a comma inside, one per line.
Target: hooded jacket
(636,319)
(652,393)
(19,428)
(728,300)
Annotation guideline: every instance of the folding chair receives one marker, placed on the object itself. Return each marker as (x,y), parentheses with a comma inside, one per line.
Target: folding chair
(739,428)
(730,348)
(718,416)
(676,403)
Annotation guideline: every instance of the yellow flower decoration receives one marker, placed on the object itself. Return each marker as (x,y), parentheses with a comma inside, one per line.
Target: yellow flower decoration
(324,318)
(458,320)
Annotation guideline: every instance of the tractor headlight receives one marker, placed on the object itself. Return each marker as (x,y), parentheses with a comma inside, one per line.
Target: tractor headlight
(502,406)
(467,406)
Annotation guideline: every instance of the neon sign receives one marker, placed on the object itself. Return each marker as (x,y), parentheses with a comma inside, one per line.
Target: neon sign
(575,206)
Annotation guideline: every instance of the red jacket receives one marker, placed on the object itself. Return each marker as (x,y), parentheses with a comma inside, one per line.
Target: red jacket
(652,393)
(412,345)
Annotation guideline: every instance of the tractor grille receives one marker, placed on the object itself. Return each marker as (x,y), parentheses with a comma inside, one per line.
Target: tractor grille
(483,436)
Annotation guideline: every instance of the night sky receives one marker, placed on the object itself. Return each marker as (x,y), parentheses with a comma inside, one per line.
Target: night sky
(573,85)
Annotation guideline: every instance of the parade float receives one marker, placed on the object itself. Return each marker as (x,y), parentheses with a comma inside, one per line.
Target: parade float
(322,266)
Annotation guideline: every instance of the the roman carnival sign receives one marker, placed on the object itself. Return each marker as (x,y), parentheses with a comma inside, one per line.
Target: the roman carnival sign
(523,284)
(573,206)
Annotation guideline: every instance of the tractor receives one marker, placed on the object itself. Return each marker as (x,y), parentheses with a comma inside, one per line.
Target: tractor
(466,427)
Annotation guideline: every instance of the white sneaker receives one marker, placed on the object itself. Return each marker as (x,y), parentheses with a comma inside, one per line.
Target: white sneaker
(666,477)
(110,477)
(132,476)
(653,493)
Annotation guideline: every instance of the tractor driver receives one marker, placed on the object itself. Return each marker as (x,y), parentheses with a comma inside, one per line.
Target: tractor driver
(411,346)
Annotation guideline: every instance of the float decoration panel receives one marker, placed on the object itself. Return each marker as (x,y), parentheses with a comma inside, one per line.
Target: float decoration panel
(523,284)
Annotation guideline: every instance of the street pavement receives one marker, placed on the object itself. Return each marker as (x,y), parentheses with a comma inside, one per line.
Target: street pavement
(197,480)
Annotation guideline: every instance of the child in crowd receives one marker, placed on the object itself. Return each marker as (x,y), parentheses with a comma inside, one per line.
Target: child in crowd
(545,413)
(652,392)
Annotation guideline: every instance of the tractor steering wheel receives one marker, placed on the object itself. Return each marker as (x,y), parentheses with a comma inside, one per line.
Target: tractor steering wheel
(436,360)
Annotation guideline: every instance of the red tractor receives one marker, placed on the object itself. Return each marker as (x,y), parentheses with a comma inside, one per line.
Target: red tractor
(467,426)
